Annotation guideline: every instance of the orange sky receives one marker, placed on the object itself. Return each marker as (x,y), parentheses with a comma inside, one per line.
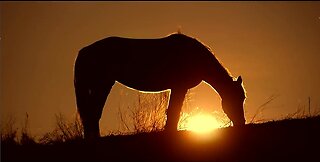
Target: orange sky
(274,46)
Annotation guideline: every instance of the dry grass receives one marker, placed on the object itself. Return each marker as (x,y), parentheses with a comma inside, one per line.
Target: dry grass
(9,130)
(147,115)
(11,134)
(64,131)
(262,107)
(286,140)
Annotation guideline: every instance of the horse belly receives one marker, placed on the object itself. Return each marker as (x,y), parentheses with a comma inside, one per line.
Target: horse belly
(159,78)
(144,80)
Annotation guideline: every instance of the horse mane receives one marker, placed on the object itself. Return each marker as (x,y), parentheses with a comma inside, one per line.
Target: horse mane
(218,61)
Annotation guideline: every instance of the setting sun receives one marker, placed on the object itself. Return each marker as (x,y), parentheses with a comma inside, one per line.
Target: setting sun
(202,123)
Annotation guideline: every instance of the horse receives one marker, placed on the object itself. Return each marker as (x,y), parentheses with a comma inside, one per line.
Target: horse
(176,62)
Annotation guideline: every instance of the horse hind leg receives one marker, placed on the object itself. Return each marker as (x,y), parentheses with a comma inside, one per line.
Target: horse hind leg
(91,114)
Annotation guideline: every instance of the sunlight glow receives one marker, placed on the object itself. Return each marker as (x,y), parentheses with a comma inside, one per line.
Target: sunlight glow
(202,123)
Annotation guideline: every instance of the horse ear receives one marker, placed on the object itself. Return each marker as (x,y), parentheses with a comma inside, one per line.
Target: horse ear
(239,80)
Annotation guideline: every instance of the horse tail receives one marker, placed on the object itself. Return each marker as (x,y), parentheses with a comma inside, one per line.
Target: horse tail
(81,84)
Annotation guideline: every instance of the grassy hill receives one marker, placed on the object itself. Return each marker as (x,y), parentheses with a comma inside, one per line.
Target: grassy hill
(285,140)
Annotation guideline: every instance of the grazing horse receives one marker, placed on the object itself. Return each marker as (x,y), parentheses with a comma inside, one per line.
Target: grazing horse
(176,62)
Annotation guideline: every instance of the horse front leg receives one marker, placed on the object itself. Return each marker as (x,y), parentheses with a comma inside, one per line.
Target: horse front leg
(174,109)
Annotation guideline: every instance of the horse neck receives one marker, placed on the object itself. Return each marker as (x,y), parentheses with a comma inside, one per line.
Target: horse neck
(220,80)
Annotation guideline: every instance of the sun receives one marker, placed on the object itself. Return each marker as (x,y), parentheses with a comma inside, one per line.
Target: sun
(202,123)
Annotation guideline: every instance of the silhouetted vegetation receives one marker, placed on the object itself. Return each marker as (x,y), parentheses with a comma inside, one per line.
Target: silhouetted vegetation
(9,131)
(11,135)
(292,139)
(148,115)
(64,131)
(295,137)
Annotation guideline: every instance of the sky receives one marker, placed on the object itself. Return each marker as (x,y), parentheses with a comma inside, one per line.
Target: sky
(274,46)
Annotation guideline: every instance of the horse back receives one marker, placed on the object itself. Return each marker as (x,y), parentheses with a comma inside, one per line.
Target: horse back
(174,58)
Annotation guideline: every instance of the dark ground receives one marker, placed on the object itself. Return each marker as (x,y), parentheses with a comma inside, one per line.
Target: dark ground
(286,140)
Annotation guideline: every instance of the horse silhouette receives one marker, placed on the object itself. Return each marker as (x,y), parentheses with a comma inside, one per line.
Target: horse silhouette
(176,62)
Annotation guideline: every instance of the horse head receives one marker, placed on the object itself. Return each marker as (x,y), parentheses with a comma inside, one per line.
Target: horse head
(233,101)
